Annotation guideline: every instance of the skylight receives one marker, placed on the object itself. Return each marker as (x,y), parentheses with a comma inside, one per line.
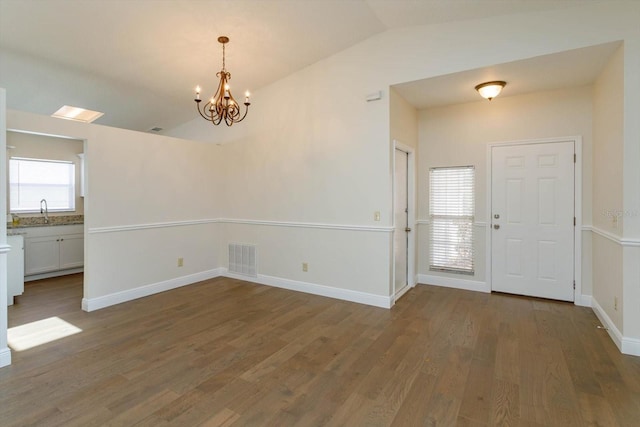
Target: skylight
(77,114)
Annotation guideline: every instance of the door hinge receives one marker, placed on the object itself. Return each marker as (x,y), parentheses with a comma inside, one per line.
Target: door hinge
(574,221)
(575,157)
(574,284)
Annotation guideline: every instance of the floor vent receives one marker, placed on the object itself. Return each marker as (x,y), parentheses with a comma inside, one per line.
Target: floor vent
(242,259)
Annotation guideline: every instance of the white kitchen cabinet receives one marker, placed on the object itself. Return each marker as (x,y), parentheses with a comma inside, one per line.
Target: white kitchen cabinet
(53,252)
(15,268)
(71,251)
(42,255)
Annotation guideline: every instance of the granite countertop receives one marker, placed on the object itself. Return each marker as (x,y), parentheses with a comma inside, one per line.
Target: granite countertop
(38,221)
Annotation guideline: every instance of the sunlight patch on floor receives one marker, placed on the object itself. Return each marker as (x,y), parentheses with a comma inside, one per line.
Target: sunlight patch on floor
(40,332)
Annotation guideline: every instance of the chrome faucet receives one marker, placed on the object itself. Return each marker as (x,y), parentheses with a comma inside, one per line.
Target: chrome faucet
(44,211)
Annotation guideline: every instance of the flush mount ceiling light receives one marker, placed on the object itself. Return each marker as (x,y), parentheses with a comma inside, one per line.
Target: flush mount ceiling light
(77,114)
(490,90)
(222,107)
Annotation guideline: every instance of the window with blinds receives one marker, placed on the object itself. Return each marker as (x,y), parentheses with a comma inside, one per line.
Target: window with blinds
(451,216)
(31,180)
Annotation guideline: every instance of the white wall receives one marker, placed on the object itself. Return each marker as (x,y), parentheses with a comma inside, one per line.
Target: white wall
(403,120)
(319,153)
(459,134)
(45,147)
(150,199)
(5,353)
(608,215)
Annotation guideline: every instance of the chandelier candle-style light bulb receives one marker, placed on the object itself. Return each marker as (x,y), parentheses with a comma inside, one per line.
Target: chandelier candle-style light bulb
(222,106)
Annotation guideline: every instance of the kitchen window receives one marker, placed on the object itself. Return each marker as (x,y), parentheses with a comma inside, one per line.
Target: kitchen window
(31,180)
(451,216)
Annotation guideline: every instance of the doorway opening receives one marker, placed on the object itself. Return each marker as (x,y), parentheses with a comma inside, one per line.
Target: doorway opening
(403,219)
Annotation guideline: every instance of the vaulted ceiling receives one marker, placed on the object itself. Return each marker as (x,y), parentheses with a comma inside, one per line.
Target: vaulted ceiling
(139,60)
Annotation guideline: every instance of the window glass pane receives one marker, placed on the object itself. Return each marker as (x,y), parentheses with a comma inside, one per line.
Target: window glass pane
(31,180)
(451,209)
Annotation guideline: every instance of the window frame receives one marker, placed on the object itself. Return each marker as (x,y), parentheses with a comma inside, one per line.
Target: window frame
(442,221)
(70,187)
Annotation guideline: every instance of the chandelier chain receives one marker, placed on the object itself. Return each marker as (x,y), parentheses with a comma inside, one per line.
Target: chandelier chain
(223,58)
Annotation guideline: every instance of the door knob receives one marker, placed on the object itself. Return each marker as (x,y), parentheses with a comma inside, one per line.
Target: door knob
(496,226)
(407,229)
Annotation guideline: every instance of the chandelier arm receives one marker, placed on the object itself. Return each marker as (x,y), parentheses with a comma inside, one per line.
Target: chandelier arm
(223,105)
(246,110)
(203,115)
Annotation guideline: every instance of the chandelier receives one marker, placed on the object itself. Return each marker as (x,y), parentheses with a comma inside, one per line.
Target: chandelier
(222,106)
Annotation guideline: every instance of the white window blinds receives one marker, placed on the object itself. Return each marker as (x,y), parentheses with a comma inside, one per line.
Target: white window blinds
(31,180)
(451,216)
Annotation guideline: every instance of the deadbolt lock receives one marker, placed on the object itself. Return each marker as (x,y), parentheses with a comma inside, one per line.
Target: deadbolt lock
(496,216)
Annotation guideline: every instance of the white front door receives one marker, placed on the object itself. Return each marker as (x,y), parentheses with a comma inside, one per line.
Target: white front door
(401,221)
(532,219)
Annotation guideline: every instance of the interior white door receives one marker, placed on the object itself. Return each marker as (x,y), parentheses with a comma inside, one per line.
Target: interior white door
(401,221)
(532,219)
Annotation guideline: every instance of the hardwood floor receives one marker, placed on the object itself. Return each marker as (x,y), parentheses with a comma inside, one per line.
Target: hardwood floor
(230,353)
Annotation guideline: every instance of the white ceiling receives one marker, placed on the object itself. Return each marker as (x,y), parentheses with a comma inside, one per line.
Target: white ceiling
(139,60)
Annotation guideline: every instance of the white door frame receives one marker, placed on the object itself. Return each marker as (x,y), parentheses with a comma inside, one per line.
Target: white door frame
(411,220)
(577,209)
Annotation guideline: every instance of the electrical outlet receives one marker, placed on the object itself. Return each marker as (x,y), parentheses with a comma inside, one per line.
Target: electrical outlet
(376,216)
(305,267)
(180,262)
(615,303)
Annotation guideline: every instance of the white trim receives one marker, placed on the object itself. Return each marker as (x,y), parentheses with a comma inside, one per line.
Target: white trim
(577,207)
(401,292)
(427,222)
(629,242)
(584,300)
(5,357)
(50,274)
(455,283)
(5,248)
(135,227)
(308,225)
(630,346)
(315,289)
(411,217)
(91,304)
(606,321)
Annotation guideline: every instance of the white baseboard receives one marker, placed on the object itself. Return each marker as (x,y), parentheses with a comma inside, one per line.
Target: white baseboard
(614,333)
(315,289)
(5,357)
(401,292)
(630,346)
(583,300)
(455,283)
(91,304)
(53,274)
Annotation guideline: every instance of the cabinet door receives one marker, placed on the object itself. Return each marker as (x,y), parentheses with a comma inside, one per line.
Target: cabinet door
(71,251)
(15,268)
(42,254)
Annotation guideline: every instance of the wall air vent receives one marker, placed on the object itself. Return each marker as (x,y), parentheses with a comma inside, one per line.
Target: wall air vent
(242,259)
